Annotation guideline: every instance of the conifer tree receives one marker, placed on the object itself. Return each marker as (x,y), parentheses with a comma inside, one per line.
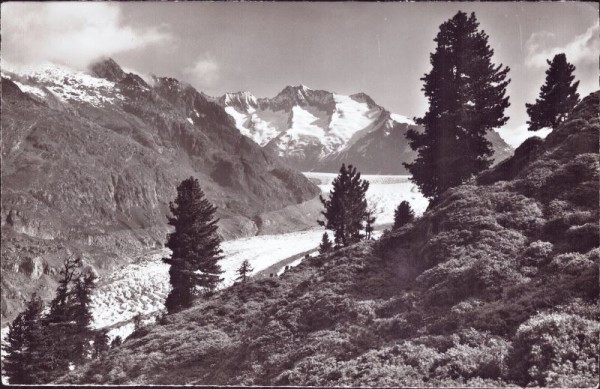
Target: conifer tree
(82,318)
(558,96)
(195,245)
(326,245)
(137,322)
(60,308)
(116,342)
(403,215)
(61,341)
(244,271)
(101,343)
(50,344)
(24,355)
(466,100)
(345,209)
(14,349)
(369,220)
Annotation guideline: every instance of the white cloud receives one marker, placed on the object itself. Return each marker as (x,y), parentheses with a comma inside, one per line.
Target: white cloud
(205,71)
(72,34)
(518,135)
(583,49)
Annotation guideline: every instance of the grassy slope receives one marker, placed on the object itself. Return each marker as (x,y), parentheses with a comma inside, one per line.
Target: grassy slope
(497,284)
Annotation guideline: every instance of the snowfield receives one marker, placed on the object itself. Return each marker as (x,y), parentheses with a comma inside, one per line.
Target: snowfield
(66,84)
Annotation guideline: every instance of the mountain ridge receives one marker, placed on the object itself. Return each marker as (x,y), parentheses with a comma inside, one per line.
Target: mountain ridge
(90,164)
(317,130)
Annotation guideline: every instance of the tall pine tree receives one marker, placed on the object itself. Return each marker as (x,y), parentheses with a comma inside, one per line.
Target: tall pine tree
(466,100)
(558,95)
(403,215)
(101,343)
(23,348)
(60,340)
(14,350)
(326,245)
(370,221)
(82,318)
(244,271)
(346,207)
(195,245)
(41,348)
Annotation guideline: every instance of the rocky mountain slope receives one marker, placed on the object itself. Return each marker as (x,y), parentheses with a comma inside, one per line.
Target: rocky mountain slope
(91,160)
(316,130)
(495,285)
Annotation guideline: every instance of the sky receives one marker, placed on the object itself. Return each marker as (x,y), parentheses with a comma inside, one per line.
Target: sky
(381,49)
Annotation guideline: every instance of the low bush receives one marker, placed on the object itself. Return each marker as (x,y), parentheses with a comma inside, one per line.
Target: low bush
(555,349)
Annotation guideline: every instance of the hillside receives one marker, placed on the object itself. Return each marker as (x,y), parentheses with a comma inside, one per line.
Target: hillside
(91,160)
(317,130)
(496,285)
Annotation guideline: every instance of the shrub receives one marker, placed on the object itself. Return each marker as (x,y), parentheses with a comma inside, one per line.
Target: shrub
(572,263)
(555,349)
(474,354)
(583,238)
(538,253)
(536,177)
(517,211)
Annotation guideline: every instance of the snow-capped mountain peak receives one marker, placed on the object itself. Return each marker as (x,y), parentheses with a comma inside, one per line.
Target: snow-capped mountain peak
(242,100)
(66,84)
(318,130)
(108,69)
(307,124)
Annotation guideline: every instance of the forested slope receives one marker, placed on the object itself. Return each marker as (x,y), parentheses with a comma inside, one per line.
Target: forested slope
(497,284)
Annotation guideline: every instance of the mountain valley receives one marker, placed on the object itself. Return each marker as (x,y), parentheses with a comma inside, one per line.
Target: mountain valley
(91,160)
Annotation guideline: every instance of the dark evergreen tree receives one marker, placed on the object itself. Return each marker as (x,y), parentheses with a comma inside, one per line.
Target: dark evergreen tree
(244,271)
(195,245)
(403,215)
(60,307)
(466,100)
(38,368)
(326,245)
(137,322)
(13,348)
(346,208)
(81,316)
(61,341)
(101,343)
(369,220)
(23,357)
(116,342)
(558,95)
(61,338)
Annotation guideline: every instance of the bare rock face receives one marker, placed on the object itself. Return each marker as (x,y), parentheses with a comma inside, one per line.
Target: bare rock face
(90,162)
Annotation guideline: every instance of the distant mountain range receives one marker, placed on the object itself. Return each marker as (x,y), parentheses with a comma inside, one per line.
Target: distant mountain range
(90,161)
(317,130)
